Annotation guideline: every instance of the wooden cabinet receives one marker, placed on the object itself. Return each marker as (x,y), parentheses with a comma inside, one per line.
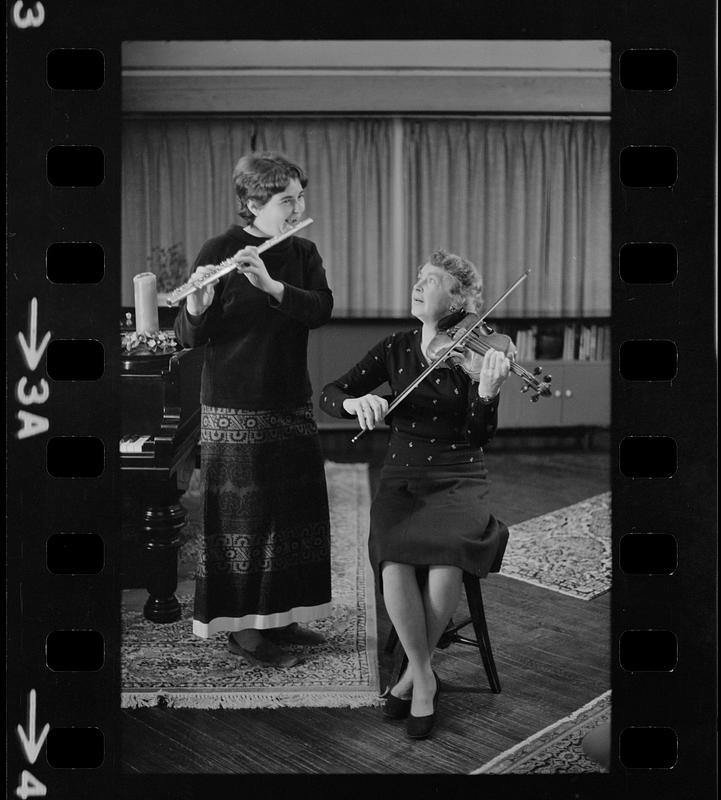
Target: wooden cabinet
(580,396)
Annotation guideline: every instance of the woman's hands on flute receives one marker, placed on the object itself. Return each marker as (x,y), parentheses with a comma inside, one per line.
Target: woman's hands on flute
(370,409)
(494,371)
(251,265)
(199,301)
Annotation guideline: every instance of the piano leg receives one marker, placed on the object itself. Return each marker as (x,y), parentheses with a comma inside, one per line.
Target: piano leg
(163,518)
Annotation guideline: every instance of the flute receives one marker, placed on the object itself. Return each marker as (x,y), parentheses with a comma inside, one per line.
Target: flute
(227,266)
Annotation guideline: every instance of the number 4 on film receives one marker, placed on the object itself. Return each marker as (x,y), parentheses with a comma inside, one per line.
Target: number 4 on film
(30,786)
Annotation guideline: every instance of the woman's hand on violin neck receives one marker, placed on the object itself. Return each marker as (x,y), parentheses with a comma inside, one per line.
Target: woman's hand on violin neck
(370,409)
(493,373)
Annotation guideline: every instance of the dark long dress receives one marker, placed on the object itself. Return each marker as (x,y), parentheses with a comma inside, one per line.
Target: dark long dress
(266,556)
(431,506)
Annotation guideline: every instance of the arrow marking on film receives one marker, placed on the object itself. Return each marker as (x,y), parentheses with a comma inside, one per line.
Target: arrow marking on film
(31,745)
(31,351)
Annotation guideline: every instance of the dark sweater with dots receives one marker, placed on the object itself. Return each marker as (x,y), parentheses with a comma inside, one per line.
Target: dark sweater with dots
(443,421)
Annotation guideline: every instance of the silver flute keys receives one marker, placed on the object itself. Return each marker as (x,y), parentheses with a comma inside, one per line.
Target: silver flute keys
(227,266)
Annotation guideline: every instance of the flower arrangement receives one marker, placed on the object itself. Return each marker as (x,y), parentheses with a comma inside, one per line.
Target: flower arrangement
(155,342)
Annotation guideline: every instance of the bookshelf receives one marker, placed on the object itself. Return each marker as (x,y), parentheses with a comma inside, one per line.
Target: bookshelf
(581,339)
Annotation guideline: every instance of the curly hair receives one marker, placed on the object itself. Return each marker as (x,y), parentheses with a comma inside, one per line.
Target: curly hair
(467,290)
(258,176)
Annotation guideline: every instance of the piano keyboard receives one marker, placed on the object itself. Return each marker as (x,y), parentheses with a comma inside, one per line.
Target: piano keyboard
(134,444)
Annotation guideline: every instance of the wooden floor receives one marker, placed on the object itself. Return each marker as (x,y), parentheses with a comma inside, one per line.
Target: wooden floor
(552,654)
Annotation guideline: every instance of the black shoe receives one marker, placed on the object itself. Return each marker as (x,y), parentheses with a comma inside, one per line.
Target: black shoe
(294,634)
(421,727)
(395,707)
(266,654)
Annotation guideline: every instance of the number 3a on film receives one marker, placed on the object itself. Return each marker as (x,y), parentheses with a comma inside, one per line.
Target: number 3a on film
(32,424)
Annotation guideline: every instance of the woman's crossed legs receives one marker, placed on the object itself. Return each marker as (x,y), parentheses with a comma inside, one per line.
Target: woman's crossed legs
(419,617)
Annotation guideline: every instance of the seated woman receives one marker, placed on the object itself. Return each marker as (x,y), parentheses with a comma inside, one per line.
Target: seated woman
(430,511)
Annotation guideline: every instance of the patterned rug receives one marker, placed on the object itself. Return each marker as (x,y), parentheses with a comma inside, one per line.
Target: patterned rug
(568,550)
(166,665)
(557,748)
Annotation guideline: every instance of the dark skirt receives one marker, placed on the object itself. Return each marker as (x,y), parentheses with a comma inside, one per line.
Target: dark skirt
(266,556)
(432,516)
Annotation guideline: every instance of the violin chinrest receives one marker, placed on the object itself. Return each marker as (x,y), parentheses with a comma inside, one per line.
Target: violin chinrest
(451,320)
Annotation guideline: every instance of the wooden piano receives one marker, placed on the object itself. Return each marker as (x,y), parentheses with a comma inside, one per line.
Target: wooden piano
(160,402)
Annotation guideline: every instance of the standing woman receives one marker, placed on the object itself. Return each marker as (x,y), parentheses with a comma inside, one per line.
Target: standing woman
(430,511)
(265,563)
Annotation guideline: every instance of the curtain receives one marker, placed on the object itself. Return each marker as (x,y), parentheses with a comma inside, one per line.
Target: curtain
(507,194)
(177,188)
(348,163)
(512,195)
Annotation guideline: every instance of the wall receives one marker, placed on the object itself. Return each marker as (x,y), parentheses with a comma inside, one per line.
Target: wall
(558,77)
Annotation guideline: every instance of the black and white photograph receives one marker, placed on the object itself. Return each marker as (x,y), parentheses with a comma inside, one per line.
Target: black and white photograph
(362,399)
(365,398)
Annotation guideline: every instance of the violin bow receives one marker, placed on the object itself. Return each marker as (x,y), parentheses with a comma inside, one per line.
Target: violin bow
(442,358)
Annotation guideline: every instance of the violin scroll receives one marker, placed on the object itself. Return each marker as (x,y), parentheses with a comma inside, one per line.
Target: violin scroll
(541,388)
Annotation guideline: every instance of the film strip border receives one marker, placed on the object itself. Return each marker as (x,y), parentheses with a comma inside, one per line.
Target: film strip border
(662,457)
(63,538)
(63,466)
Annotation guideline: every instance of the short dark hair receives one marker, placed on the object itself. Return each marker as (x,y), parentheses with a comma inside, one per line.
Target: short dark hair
(468,287)
(258,176)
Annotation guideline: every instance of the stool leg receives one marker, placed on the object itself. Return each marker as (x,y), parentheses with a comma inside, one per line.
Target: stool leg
(478,617)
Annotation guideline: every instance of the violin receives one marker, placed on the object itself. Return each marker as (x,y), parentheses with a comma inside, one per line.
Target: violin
(459,340)
(481,340)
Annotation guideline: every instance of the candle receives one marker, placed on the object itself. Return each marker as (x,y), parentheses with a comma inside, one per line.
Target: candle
(146,303)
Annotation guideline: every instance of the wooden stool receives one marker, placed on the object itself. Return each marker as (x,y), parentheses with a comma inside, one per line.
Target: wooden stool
(474,596)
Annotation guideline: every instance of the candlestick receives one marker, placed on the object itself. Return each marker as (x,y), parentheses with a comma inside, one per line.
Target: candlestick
(146,303)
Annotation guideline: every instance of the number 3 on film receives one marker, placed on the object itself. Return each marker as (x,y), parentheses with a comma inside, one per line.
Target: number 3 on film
(28,17)
(30,786)
(32,424)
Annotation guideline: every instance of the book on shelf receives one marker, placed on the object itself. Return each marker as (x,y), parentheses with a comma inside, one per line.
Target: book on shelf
(526,343)
(584,351)
(605,347)
(601,342)
(594,342)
